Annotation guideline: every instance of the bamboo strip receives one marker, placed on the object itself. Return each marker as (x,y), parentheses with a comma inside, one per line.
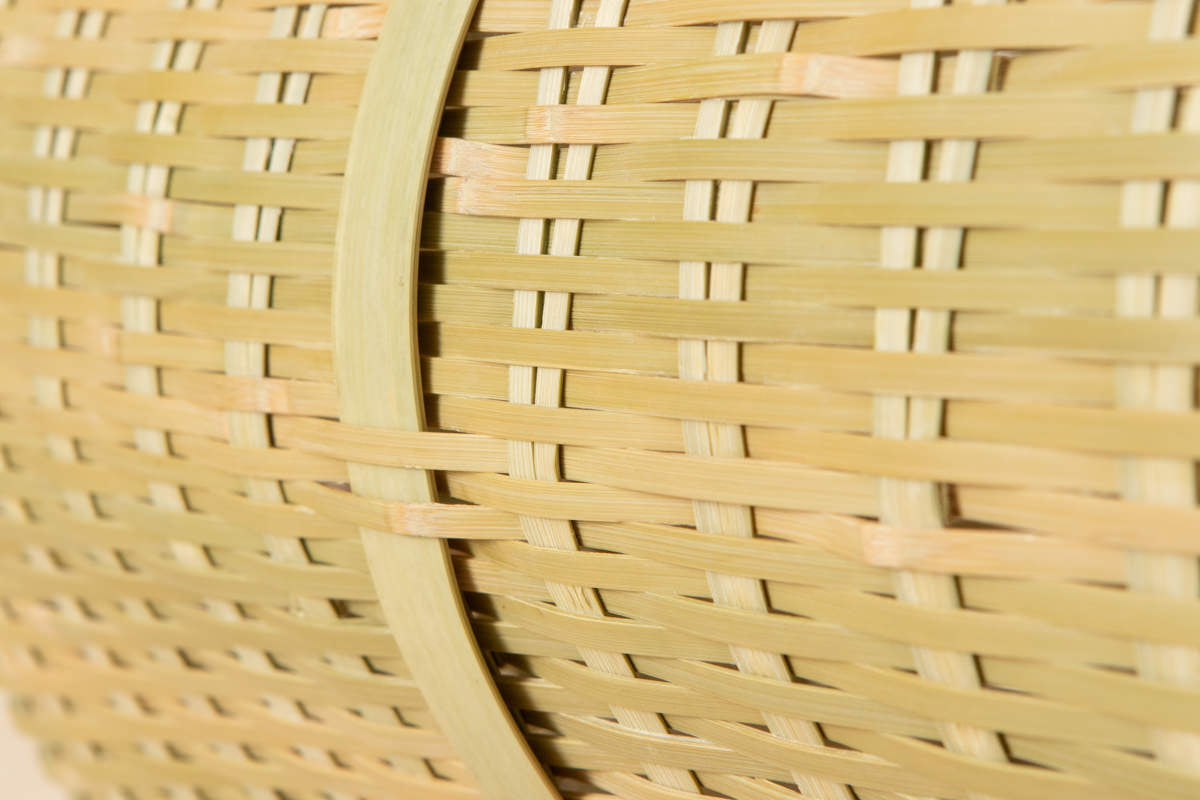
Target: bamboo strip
(719,361)
(41,268)
(906,502)
(420,600)
(543,387)
(1161,481)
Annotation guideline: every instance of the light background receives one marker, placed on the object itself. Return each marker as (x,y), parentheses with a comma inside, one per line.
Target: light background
(21,776)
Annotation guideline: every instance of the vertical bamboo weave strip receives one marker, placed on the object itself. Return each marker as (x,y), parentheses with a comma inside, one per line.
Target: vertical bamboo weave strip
(543,386)
(44,269)
(908,503)
(719,361)
(1167,387)
(139,247)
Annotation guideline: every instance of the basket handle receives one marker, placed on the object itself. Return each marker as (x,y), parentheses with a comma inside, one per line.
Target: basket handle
(379,378)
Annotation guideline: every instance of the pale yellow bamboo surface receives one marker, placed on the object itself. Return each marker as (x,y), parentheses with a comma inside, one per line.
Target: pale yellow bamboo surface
(809,387)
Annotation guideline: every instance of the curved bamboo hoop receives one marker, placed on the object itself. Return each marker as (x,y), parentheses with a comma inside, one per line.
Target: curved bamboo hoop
(378,369)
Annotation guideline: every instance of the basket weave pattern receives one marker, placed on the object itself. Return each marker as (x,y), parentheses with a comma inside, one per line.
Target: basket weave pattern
(173,620)
(843,437)
(809,387)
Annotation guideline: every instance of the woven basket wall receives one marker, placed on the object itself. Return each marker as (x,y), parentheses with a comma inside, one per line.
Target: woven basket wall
(806,398)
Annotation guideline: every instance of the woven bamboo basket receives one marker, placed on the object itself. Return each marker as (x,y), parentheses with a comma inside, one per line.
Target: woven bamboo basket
(537,399)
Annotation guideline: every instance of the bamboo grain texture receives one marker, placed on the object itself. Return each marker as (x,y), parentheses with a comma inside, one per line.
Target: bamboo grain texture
(803,400)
